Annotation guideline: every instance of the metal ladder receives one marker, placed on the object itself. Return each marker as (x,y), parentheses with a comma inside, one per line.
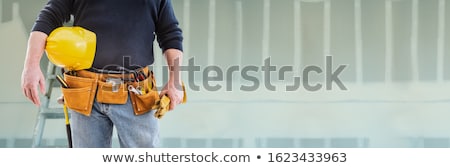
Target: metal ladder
(46,112)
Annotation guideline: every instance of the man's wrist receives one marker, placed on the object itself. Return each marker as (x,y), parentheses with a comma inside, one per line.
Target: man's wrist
(32,65)
(177,83)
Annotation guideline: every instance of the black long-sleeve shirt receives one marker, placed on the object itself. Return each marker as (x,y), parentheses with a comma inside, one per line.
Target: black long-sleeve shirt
(125,29)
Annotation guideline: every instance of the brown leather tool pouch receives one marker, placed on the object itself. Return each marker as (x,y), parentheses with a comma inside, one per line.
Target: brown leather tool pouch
(80,94)
(109,94)
(144,102)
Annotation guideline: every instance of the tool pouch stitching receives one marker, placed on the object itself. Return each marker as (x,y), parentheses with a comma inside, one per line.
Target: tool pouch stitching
(80,96)
(144,103)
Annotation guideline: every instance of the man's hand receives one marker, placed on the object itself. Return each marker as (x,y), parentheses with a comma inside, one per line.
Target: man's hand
(32,79)
(174,92)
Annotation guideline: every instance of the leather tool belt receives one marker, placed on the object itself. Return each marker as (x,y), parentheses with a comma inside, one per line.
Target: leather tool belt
(110,88)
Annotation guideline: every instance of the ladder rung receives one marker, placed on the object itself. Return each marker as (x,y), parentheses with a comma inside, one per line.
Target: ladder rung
(52,113)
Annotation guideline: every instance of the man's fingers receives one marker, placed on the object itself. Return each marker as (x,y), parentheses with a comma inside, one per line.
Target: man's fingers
(24,91)
(60,99)
(163,92)
(27,93)
(34,97)
(33,82)
(32,94)
(172,105)
(174,101)
(174,95)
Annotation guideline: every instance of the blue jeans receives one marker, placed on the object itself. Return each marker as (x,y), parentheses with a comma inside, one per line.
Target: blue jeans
(96,130)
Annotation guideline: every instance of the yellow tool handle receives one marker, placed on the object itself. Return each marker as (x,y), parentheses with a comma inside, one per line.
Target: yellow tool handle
(66,114)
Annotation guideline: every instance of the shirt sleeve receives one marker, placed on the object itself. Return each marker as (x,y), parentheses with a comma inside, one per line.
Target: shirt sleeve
(169,35)
(54,14)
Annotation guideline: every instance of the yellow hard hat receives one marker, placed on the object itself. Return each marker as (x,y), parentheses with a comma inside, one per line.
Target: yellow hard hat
(72,48)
